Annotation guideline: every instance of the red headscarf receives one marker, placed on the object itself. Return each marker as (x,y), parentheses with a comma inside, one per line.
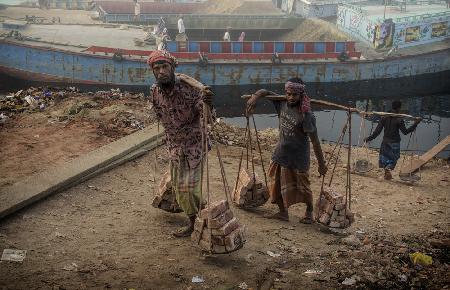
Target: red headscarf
(299,88)
(164,55)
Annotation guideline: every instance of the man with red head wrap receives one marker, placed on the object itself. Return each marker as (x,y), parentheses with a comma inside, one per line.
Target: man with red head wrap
(289,169)
(179,107)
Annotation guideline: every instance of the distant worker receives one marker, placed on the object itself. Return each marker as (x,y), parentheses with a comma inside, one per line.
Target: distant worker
(137,10)
(226,36)
(390,146)
(241,37)
(181,28)
(179,108)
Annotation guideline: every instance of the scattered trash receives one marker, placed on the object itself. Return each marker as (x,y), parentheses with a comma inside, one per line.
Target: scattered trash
(3,118)
(13,255)
(349,281)
(273,255)
(351,240)
(421,259)
(313,272)
(71,267)
(243,285)
(197,279)
(403,278)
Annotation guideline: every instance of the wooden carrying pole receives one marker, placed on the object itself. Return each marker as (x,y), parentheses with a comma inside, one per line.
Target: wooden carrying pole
(337,106)
(313,101)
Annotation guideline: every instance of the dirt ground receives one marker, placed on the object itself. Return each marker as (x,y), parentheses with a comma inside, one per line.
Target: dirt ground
(69,125)
(314,29)
(67,16)
(104,233)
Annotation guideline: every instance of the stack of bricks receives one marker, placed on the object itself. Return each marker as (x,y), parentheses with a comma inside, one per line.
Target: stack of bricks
(249,192)
(332,209)
(216,230)
(166,199)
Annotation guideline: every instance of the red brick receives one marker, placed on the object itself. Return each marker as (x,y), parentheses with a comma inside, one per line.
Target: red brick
(227,228)
(221,220)
(216,208)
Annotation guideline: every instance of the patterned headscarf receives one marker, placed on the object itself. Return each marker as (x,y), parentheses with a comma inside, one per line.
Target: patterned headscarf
(299,88)
(159,55)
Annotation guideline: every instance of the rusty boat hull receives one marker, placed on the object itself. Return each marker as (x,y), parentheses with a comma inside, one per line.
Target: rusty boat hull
(425,73)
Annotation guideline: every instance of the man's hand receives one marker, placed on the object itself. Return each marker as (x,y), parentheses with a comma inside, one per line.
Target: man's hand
(207,97)
(417,121)
(251,103)
(366,140)
(322,169)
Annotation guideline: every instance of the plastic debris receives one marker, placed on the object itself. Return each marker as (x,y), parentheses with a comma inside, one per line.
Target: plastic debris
(13,255)
(71,267)
(349,281)
(313,272)
(197,279)
(273,255)
(421,259)
(243,285)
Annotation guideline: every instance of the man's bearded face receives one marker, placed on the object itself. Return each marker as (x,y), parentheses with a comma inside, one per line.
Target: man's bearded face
(163,72)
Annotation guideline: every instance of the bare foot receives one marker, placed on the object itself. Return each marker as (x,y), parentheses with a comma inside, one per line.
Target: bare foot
(284,216)
(387,174)
(306,220)
(184,232)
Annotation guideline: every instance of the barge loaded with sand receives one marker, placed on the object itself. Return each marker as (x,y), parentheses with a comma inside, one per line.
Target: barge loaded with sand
(106,57)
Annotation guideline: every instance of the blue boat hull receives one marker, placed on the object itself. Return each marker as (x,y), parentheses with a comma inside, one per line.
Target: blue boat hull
(420,74)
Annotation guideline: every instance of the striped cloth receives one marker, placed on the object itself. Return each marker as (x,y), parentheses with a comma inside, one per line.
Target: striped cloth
(186,182)
(290,185)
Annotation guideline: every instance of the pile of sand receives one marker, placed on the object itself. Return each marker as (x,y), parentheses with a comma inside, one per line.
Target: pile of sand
(315,30)
(239,7)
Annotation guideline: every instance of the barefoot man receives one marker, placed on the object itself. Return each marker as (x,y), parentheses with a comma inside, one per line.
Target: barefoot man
(179,107)
(289,168)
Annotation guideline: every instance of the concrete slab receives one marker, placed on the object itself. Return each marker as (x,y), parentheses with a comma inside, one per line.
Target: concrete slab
(40,185)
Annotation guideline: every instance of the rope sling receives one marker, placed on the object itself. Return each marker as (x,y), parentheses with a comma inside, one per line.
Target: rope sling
(411,177)
(248,190)
(361,162)
(332,208)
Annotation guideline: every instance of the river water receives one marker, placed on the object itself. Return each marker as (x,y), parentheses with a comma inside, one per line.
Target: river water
(435,110)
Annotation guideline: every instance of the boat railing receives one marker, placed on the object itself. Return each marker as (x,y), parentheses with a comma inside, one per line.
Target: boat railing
(261,50)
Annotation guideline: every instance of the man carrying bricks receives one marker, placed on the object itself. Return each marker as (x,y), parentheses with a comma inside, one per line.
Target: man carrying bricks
(390,146)
(289,168)
(179,107)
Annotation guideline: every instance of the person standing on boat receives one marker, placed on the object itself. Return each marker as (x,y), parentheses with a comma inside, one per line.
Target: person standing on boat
(390,146)
(181,28)
(241,37)
(288,170)
(226,36)
(179,107)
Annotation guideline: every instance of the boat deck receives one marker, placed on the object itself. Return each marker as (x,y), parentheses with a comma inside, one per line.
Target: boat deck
(78,38)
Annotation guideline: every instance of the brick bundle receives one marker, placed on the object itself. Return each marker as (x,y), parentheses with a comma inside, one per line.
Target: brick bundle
(165,198)
(249,192)
(332,209)
(220,234)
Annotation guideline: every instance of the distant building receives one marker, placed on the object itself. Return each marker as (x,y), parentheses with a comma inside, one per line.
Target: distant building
(423,24)
(311,8)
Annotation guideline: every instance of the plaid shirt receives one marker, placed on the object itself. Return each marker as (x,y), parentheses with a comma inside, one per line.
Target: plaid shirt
(180,112)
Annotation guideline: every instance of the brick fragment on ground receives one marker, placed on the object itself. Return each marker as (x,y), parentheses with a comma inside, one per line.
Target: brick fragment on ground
(331,209)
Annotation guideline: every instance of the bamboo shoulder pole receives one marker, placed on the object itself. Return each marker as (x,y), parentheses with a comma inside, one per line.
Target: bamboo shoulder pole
(313,101)
(386,114)
(337,106)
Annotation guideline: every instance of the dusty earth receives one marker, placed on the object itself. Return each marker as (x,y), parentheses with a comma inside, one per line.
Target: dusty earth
(104,233)
(62,124)
(66,16)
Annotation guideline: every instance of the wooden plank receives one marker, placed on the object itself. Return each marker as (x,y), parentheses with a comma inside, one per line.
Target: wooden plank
(424,158)
(42,184)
